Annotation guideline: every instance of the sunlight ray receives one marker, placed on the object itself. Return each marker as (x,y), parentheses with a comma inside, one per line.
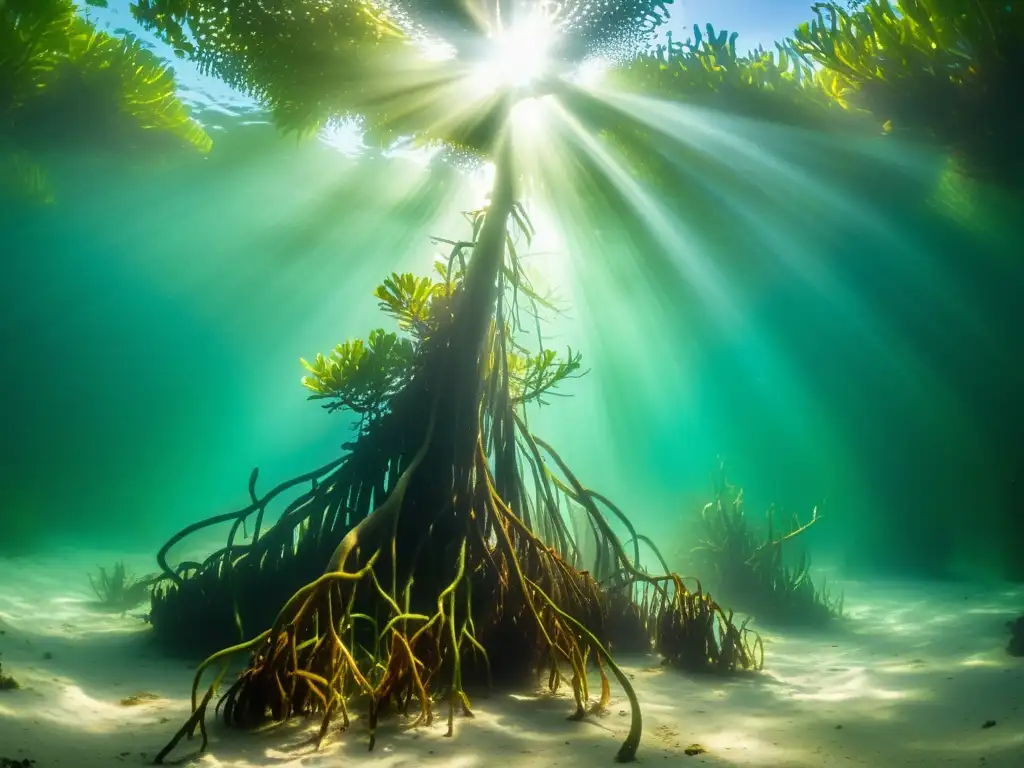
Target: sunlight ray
(669,233)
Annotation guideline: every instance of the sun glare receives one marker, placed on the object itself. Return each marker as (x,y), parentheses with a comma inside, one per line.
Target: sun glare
(520,53)
(434,49)
(527,116)
(481,181)
(590,73)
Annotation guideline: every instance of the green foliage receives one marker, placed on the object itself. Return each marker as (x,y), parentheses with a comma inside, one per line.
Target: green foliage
(747,566)
(117,589)
(945,70)
(312,62)
(708,71)
(63,80)
(939,71)
(611,30)
(363,377)
(533,377)
(409,299)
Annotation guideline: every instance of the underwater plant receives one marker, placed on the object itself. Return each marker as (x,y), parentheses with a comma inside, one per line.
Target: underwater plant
(117,589)
(941,72)
(708,70)
(437,541)
(405,622)
(747,567)
(64,81)
(944,71)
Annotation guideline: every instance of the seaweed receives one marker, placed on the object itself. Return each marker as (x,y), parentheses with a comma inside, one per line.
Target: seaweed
(942,71)
(747,566)
(63,81)
(117,589)
(708,70)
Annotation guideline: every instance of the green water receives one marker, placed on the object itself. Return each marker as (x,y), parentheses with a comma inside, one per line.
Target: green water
(154,319)
(832,316)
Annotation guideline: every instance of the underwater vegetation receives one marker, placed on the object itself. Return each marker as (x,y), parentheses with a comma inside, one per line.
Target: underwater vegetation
(117,590)
(942,72)
(708,70)
(746,565)
(438,537)
(65,83)
(419,586)
(437,542)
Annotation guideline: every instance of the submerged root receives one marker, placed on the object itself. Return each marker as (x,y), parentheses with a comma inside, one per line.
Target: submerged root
(347,636)
(388,628)
(458,561)
(395,635)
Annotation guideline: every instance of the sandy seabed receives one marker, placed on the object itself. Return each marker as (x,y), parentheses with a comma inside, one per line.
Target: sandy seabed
(912,677)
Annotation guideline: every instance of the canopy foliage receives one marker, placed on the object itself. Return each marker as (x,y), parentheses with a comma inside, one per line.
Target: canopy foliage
(65,82)
(943,72)
(363,377)
(707,70)
(315,61)
(939,70)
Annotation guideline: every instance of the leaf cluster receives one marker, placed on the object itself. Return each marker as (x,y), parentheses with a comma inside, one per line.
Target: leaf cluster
(707,70)
(312,62)
(532,378)
(315,62)
(117,589)
(63,80)
(747,564)
(363,377)
(613,31)
(887,41)
(946,70)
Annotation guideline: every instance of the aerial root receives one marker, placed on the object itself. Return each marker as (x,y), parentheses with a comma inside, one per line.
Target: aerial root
(390,651)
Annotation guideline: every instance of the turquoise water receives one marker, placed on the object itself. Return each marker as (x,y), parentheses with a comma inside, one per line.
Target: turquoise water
(858,350)
(835,319)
